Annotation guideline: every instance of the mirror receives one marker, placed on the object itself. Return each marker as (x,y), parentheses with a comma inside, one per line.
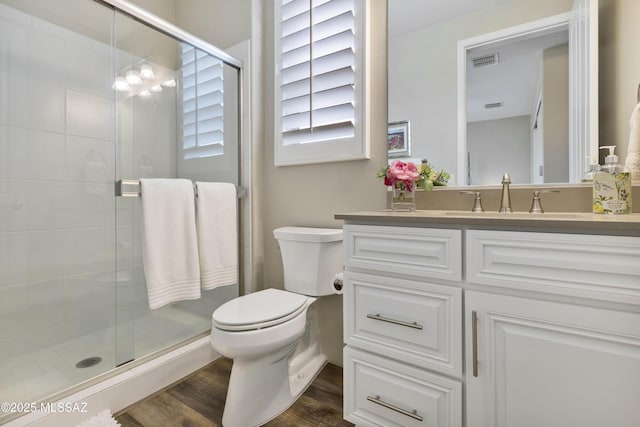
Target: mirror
(431,48)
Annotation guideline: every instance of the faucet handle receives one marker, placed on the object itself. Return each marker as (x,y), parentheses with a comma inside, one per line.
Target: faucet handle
(477,201)
(536,206)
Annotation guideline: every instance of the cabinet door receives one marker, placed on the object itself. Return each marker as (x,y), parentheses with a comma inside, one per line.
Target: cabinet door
(540,363)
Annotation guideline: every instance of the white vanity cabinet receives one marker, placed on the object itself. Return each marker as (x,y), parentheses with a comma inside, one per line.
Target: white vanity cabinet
(565,355)
(402,326)
(548,320)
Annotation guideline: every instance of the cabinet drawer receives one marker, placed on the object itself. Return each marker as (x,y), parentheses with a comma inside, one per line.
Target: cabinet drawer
(381,392)
(419,252)
(419,323)
(597,267)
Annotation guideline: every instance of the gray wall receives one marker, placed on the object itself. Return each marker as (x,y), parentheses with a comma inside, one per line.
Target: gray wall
(165,9)
(619,71)
(222,23)
(510,139)
(555,95)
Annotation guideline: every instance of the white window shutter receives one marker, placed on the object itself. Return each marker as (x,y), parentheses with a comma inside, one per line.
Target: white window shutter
(202,96)
(319,81)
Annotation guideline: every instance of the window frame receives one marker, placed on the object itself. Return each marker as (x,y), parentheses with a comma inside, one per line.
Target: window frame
(336,150)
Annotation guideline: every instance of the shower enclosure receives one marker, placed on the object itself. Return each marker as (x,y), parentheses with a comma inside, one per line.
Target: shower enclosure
(91,96)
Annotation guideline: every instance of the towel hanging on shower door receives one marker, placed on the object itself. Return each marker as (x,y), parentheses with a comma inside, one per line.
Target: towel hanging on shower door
(169,242)
(217,234)
(632,162)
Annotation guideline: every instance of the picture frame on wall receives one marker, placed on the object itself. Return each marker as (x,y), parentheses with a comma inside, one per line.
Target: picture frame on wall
(398,139)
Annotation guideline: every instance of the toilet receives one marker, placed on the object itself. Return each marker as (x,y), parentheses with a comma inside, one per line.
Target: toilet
(271,335)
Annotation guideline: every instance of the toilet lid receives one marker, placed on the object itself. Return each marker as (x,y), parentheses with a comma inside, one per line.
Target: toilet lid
(261,309)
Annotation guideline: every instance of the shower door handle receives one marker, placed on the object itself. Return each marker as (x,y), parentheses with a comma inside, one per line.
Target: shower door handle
(127,188)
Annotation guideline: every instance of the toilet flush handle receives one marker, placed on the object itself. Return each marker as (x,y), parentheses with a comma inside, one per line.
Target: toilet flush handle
(338,282)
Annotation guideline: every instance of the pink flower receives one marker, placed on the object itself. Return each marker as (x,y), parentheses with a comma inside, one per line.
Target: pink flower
(401,171)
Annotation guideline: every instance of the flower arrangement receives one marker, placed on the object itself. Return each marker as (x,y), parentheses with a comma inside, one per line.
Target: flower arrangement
(400,174)
(432,177)
(404,177)
(407,176)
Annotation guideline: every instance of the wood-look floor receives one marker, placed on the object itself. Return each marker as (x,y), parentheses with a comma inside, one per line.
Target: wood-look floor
(198,401)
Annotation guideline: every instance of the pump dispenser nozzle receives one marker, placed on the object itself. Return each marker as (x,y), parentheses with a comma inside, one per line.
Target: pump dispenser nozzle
(592,168)
(611,158)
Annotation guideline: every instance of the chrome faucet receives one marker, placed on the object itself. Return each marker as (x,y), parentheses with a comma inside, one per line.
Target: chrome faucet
(536,206)
(505,201)
(477,201)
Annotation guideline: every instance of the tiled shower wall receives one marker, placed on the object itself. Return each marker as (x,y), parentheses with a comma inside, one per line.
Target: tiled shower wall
(57,167)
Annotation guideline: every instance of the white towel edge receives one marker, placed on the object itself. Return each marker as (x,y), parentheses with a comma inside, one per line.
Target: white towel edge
(223,276)
(182,290)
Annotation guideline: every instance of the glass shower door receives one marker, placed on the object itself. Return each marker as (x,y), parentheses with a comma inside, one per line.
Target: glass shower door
(177,116)
(88,98)
(57,218)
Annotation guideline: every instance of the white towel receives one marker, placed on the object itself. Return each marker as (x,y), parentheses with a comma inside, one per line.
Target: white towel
(102,419)
(217,234)
(632,162)
(169,241)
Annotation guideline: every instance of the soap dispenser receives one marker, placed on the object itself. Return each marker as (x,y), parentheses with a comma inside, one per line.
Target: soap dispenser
(593,167)
(611,186)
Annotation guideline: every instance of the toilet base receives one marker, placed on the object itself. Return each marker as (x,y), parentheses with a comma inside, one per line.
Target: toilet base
(259,392)
(300,379)
(272,367)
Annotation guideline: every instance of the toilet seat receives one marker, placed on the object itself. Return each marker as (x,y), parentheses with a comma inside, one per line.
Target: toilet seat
(259,310)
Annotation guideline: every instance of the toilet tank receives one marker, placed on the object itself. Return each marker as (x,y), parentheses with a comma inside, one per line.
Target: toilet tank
(311,257)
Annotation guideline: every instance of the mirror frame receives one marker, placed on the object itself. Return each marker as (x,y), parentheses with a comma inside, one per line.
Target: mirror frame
(582,23)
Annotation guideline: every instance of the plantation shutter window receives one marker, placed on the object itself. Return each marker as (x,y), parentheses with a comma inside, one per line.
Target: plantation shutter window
(202,96)
(319,81)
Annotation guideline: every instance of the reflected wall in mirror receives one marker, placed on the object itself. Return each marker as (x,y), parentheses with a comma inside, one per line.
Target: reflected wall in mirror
(423,69)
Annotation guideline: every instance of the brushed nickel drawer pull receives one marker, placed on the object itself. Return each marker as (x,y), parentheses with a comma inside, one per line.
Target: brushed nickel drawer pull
(474,342)
(413,414)
(377,316)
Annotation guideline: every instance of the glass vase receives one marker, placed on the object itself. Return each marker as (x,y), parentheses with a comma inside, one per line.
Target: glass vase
(403,198)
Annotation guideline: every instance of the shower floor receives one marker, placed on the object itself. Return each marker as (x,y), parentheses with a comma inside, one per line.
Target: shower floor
(40,373)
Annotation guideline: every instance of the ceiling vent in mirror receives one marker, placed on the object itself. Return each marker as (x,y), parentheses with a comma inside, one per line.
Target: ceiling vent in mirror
(494,105)
(485,60)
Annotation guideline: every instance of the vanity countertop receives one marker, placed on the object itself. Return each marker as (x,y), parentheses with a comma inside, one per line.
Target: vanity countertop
(551,221)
